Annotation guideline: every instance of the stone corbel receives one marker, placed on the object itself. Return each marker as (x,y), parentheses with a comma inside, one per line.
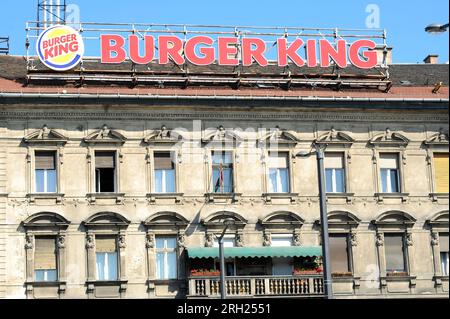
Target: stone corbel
(435,239)
(122,241)
(150,240)
(353,239)
(120,155)
(296,239)
(29,241)
(209,240)
(61,155)
(90,241)
(267,239)
(240,239)
(181,240)
(380,239)
(61,241)
(409,239)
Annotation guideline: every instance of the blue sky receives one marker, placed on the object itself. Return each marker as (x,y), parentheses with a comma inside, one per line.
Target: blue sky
(404,20)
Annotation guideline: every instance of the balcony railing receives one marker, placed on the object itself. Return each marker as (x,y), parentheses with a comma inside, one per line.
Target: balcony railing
(261,286)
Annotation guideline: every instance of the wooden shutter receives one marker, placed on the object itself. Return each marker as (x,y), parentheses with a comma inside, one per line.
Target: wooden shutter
(443,242)
(44,160)
(105,244)
(104,159)
(334,160)
(338,253)
(395,258)
(163,160)
(441,172)
(45,253)
(389,161)
(278,160)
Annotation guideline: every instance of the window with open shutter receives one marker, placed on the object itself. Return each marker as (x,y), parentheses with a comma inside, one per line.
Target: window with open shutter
(105,171)
(45,172)
(106,258)
(164,172)
(441,172)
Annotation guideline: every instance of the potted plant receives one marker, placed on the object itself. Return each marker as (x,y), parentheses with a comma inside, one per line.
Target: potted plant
(309,266)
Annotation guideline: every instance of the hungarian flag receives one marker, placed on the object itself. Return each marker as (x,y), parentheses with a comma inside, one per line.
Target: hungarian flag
(220,180)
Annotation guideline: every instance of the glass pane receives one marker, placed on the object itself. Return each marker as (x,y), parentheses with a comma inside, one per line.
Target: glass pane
(112,266)
(339,253)
(170,181)
(158,181)
(39,275)
(222,157)
(51,181)
(394,181)
(384,181)
(160,243)
(284,176)
(160,265)
(172,265)
(100,261)
(273,180)
(171,243)
(340,181)
(228,180)
(40,181)
(444,263)
(51,275)
(329,180)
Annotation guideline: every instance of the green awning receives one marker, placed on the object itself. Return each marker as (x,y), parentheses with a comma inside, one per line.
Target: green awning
(255,252)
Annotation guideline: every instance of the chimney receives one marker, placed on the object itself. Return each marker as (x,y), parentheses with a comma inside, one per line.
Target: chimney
(380,49)
(432,59)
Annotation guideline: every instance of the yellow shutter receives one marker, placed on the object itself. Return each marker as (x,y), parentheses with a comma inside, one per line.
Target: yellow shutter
(105,244)
(441,172)
(45,253)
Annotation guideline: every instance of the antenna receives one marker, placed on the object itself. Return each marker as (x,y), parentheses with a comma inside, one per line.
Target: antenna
(50,12)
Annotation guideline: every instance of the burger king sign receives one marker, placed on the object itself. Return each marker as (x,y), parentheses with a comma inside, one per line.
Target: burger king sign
(60,47)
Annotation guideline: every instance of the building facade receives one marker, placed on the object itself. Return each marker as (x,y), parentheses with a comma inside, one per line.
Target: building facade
(116,192)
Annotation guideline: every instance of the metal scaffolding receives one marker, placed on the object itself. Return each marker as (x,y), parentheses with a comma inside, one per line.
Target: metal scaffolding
(4,45)
(50,12)
(92,71)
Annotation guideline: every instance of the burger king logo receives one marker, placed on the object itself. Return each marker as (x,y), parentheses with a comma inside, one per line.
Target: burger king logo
(60,47)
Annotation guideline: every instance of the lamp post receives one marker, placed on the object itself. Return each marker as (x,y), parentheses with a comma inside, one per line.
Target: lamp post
(437,28)
(320,154)
(220,239)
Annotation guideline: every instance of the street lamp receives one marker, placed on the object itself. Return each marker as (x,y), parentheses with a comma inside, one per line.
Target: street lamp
(437,28)
(220,239)
(320,153)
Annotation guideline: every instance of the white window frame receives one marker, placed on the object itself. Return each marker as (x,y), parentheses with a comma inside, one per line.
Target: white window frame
(166,252)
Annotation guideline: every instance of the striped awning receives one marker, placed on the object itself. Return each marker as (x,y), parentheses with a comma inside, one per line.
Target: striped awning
(255,252)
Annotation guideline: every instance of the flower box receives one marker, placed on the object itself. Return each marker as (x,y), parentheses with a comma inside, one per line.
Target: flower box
(205,273)
(397,274)
(304,272)
(341,274)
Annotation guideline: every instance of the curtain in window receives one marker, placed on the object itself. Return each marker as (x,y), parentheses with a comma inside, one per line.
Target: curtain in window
(166,258)
(106,258)
(339,253)
(45,172)
(389,173)
(444,249)
(278,173)
(164,181)
(395,255)
(222,172)
(441,167)
(334,172)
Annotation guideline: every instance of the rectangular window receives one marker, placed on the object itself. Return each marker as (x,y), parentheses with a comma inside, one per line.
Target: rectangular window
(395,253)
(228,241)
(222,172)
(339,253)
(164,172)
(443,245)
(45,172)
(278,172)
(390,175)
(281,240)
(335,172)
(106,258)
(166,258)
(441,172)
(105,172)
(45,259)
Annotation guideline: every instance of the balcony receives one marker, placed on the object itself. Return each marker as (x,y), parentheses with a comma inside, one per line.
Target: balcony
(258,287)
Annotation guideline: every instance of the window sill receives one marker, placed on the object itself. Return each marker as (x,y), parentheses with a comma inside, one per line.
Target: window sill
(436,196)
(61,285)
(347,196)
(153,197)
(57,197)
(439,279)
(118,197)
(219,197)
(403,196)
(398,278)
(269,196)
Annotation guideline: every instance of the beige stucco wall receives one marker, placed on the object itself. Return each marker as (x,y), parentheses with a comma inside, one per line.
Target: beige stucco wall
(134,182)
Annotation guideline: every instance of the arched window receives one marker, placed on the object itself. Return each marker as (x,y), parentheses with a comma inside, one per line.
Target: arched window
(165,243)
(395,244)
(106,244)
(45,243)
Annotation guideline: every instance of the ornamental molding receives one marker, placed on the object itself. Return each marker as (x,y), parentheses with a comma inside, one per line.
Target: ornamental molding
(45,136)
(310,116)
(104,136)
(437,139)
(334,137)
(163,135)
